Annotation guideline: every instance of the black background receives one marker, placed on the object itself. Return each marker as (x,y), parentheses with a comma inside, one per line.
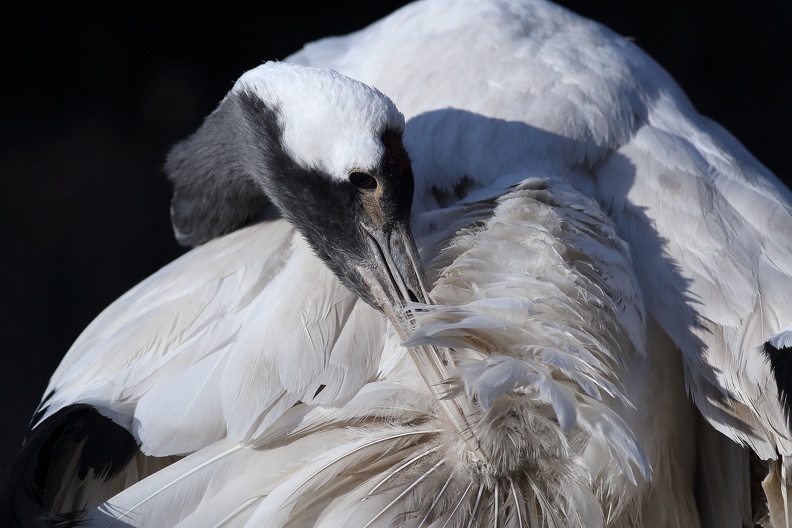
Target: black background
(92,98)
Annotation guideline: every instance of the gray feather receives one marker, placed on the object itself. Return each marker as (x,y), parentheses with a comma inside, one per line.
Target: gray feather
(214,191)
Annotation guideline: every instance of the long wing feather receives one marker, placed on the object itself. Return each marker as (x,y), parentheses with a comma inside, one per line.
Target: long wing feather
(186,311)
(211,344)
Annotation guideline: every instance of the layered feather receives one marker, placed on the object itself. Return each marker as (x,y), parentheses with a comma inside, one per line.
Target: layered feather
(543,149)
(211,344)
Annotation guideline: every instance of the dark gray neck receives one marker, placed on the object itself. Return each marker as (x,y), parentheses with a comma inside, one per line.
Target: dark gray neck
(213,171)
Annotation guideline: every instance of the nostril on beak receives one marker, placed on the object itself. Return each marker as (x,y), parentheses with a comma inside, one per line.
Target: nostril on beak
(413,296)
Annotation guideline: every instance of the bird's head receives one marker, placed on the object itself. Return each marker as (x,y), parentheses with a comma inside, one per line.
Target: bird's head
(327,151)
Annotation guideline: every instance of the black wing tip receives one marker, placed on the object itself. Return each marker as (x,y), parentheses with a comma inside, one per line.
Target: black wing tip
(781,366)
(105,447)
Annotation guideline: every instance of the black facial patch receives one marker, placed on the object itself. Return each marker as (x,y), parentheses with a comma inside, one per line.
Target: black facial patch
(39,468)
(781,366)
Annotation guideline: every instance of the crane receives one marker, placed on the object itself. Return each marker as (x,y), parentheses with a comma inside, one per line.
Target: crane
(600,337)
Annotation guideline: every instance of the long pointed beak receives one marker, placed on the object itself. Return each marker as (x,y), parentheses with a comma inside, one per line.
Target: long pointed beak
(396,280)
(397,277)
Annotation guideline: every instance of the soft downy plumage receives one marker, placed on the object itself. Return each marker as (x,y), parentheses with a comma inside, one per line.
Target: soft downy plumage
(596,251)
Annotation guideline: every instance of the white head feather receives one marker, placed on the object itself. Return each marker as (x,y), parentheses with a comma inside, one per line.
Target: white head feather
(334,124)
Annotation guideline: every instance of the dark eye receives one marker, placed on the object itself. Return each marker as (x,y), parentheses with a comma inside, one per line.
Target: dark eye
(362,180)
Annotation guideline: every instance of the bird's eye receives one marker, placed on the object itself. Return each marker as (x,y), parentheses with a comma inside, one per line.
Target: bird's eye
(363,180)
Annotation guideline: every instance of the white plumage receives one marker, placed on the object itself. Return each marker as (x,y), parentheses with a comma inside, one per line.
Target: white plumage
(596,251)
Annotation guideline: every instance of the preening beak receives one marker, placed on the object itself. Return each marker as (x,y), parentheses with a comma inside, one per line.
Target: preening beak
(397,276)
(397,279)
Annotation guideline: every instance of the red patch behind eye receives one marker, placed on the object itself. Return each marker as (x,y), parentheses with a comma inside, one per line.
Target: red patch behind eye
(396,156)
